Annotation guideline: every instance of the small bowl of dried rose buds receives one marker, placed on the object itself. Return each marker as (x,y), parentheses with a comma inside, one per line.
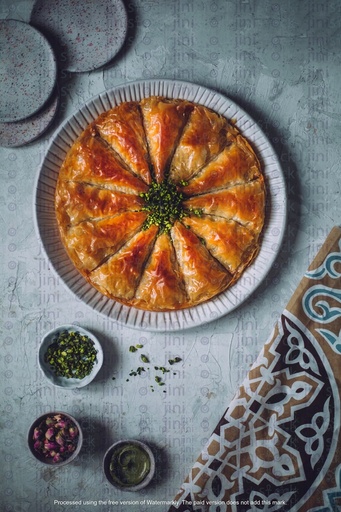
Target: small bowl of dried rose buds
(55,438)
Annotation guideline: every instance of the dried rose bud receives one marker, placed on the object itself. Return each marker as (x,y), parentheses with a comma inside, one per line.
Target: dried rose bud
(37,433)
(50,445)
(60,439)
(38,445)
(61,423)
(73,432)
(49,421)
(57,458)
(50,432)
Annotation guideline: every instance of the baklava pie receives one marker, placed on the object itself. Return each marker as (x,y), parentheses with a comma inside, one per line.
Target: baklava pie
(160,203)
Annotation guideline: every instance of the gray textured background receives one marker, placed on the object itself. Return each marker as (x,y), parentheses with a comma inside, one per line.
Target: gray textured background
(280,61)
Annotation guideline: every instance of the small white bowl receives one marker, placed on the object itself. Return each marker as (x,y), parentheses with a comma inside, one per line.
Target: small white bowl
(63,382)
(128,443)
(48,460)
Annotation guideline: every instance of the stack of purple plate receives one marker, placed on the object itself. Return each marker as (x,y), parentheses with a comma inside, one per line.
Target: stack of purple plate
(28,75)
(78,36)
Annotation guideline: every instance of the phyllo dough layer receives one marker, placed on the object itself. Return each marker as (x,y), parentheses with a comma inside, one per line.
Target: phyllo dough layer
(161,203)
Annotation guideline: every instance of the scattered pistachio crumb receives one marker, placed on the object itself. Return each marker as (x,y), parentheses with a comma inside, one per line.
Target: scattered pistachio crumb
(141,369)
(134,348)
(175,360)
(163,369)
(183,183)
(159,381)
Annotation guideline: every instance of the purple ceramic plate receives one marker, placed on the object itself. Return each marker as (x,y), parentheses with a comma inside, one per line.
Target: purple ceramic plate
(85,34)
(19,133)
(28,70)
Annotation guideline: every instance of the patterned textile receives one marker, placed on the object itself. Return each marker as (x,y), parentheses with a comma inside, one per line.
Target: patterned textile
(278,445)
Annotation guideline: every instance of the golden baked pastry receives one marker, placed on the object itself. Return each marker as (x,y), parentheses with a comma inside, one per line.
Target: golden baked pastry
(160,203)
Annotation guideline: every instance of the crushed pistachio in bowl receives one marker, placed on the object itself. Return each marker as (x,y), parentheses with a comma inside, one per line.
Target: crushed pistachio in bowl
(70,356)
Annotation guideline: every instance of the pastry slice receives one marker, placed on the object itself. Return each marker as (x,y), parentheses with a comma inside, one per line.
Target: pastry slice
(122,128)
(76,202)
(204,276)
(204,136)
(229,242)
(237,163)
(164,120)
(120,275)
(161,287)
(91,242)
(90,160)
(242,203)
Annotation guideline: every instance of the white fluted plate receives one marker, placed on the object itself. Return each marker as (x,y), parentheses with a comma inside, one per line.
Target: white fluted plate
(224,303)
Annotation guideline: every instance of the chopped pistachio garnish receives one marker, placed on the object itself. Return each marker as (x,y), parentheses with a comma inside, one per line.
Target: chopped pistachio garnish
(134,348)
(196,211)
(162,369)
(71,355)
(164,205)
(145,359)
(175,360)
(138,371)
(159,381)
